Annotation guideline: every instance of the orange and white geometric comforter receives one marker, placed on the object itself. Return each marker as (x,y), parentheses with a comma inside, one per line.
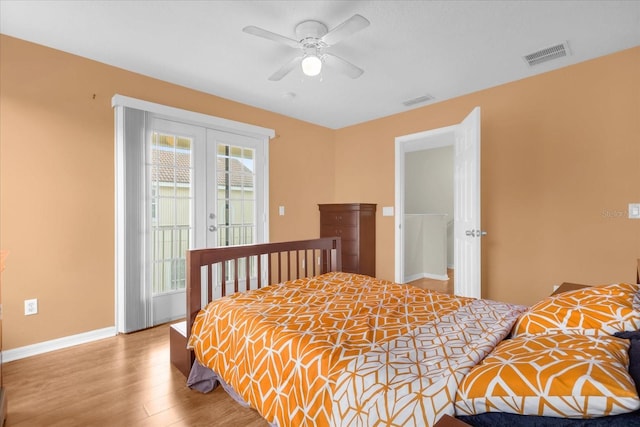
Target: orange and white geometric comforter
(344,349)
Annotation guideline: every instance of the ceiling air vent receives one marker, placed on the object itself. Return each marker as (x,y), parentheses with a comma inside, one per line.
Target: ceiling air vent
(418,100)
(547,54)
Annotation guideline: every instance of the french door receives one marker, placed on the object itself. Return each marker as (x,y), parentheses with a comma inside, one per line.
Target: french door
(182,180)
(203,191)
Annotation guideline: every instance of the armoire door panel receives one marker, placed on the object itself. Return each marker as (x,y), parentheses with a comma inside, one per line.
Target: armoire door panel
(350,264)
(349,247)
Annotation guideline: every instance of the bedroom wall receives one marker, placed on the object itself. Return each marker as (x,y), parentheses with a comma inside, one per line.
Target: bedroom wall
(560,163)
(560,159)
(57,183)
(429,181)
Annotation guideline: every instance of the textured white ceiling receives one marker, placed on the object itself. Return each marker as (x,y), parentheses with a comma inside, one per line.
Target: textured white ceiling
(412,48)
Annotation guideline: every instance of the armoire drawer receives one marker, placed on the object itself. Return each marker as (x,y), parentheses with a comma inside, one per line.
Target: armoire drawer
(347,233)
(340,218)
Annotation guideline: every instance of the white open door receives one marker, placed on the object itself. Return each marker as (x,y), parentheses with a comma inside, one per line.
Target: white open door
(467,231)
(465,138)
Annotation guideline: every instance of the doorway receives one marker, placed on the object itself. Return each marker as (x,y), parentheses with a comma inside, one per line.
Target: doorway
(426,229)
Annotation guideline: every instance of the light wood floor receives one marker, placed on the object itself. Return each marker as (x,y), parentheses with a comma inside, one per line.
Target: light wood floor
(126,380)
(445,286)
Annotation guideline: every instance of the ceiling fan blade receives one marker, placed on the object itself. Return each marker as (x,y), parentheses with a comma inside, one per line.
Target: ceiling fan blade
(348,27)
(342,65)
(285,69)
(270,36)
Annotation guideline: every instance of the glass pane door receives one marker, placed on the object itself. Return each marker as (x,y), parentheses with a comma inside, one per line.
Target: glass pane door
(206,190)
(238,206)
(236,196)
(170,200)
(167,195)
(172,181)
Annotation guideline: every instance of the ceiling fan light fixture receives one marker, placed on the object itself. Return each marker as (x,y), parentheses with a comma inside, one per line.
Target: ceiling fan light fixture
(313,38)
(311,65)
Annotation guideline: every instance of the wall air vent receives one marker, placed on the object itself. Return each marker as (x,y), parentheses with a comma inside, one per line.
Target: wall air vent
(547,54)
(418,100)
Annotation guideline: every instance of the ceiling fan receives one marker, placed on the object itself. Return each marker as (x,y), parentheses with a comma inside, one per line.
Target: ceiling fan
(313,37)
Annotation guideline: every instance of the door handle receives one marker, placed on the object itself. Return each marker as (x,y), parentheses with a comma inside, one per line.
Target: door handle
(212,228)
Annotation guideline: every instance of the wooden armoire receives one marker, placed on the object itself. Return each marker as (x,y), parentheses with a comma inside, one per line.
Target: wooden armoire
(355,224)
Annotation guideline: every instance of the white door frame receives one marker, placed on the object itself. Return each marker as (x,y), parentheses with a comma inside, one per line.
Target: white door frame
(424,140)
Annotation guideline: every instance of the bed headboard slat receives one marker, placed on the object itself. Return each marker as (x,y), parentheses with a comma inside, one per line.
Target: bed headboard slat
(209,282)
(247,273)
(268,268)
(235,276)
(279,267)
(259,269)
(223,272)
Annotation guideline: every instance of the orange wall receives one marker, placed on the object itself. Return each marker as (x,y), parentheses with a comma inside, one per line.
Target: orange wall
(560,163)
(558,150)
(57,182)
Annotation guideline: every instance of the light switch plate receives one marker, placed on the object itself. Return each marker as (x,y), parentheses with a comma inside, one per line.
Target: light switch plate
(634,210)
(387,211)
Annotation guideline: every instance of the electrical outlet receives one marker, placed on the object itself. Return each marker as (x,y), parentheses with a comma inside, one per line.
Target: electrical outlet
(30,306)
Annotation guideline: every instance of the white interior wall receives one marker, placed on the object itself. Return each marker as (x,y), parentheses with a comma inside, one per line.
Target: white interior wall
(429,190)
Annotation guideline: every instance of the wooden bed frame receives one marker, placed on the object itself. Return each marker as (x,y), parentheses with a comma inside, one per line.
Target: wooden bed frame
(270,263)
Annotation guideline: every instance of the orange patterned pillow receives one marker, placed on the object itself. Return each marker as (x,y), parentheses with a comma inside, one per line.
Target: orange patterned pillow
(597,310)
(559,375)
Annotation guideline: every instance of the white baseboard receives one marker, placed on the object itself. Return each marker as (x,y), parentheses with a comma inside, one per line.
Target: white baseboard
(57,344)
(412,277)
(436,276)
(425,276)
